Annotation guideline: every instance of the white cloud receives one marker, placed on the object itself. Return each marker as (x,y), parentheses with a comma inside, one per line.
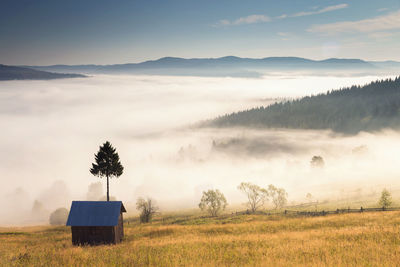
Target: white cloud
(316,11)
(382,9)
(251,19)
(285,36)
(256,18)
(381,35)
(225,22)
(381,23)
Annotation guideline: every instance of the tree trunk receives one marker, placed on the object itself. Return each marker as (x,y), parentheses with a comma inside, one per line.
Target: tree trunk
(108,190)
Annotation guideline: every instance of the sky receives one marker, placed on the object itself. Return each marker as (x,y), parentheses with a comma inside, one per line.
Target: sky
(45,32)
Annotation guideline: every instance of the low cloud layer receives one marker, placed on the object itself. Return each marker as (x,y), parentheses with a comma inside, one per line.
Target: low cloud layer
(51,130)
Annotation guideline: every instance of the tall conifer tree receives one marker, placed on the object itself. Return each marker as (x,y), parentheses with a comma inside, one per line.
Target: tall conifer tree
(107,164)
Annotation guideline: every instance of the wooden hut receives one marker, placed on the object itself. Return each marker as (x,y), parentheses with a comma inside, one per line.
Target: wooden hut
(96,222)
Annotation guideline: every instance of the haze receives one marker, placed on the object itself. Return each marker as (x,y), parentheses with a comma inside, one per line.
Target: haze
(51,130)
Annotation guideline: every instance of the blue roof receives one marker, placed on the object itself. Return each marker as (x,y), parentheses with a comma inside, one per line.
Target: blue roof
(95,213)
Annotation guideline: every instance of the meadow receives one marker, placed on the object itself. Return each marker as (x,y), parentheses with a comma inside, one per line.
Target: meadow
(359,239)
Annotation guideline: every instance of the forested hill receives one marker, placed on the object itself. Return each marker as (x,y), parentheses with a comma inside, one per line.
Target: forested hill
(348,110)
(19,73)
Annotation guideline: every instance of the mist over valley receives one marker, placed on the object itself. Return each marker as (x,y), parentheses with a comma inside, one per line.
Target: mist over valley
(50,130)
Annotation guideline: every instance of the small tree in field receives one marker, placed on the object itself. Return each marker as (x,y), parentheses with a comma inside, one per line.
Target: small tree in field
(386,199)
(107,164)
(317,162)
(213,201)
(147,209)
(278,196)
(256,195)
(309,197)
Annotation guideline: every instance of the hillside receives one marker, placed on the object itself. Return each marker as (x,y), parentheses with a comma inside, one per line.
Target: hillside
(224,66)
(20,73)
(359,239)
(348,110)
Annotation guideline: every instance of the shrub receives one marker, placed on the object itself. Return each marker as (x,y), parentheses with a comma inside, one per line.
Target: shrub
(59,216)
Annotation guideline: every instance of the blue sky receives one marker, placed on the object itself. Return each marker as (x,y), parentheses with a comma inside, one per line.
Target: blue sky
(36,32)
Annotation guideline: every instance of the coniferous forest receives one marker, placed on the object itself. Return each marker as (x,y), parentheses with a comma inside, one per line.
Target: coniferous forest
(348,110)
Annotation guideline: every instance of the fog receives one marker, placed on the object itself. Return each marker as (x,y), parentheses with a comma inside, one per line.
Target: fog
(50,131)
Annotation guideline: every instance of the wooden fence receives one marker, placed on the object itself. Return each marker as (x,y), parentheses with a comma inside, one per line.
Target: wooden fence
(177,219)
(319,213)
(337,211)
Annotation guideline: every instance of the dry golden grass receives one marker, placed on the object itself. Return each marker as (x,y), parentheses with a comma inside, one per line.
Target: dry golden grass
(365,239)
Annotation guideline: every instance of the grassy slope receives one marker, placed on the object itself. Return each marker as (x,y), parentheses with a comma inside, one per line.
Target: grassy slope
(370,239)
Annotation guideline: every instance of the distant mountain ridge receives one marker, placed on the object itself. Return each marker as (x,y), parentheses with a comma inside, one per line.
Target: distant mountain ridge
(349,110)
(22,73)
(229,66)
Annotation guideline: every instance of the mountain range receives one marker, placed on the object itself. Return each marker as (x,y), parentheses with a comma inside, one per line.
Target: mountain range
(228,66)
(22,73)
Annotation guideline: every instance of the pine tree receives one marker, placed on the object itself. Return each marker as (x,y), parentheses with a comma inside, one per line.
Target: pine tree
(107,164)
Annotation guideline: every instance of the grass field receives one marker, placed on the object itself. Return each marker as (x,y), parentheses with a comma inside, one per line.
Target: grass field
(364,239)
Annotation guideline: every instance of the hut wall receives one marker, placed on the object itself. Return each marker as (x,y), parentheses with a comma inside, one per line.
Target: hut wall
(121,226)
(119,229)
(93,235)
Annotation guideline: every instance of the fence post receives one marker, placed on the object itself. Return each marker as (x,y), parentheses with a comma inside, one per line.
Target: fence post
(285,212)
(362,210)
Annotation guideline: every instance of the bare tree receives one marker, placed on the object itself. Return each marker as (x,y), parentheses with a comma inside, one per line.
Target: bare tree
(278,196)
(213,201)
(147,209)
(256,195)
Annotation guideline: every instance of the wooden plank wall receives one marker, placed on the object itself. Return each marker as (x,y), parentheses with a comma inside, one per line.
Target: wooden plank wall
(93,235)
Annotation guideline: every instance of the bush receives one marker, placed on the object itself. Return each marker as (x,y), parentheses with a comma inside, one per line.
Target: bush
(59,216)
(317,162)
